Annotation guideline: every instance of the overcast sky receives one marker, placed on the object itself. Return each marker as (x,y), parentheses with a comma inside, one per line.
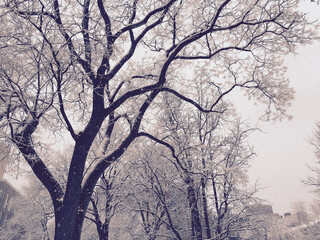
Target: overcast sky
(283,150)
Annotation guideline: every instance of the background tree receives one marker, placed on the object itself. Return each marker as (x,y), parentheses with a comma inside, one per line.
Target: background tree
(213,167)
(108,195)
(213,160)
(155,195)
(314,180)
(83,68)
(314,209)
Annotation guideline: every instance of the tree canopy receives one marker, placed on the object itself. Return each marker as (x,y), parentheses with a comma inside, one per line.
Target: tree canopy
(99,71)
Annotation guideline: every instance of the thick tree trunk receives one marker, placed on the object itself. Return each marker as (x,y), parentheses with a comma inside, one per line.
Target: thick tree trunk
(66,218)
(64,231)
(69,218)
(67,226)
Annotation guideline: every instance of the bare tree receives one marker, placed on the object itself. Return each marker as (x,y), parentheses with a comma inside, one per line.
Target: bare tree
(108,195)
(84,67)
(213,156)
(314,180)
(152,194)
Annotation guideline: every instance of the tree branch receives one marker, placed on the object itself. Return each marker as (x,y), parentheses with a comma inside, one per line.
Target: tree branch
(145,20)
(85,31)
(193,102)
(167,145)
(24,143)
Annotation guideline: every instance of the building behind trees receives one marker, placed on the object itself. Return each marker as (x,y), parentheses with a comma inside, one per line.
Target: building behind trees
(7,194)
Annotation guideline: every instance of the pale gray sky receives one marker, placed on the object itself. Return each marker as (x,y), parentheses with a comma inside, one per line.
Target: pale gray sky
(283,151)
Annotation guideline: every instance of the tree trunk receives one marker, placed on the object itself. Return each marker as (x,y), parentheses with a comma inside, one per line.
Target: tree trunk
(195,216)
(220,214)
(205,207)
(104,231)
(64,231)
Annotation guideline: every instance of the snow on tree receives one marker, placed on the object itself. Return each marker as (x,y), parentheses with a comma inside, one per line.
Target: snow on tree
(96,70)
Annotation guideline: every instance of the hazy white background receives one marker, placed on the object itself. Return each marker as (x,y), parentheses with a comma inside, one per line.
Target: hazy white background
(283,150)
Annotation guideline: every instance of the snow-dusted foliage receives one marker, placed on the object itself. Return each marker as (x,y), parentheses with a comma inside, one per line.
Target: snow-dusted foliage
(93,73)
